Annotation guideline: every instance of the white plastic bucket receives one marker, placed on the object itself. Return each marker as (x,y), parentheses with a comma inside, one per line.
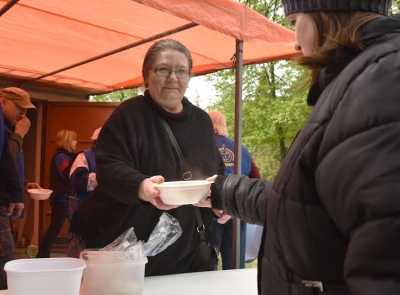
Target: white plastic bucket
(111,275)
(44,276)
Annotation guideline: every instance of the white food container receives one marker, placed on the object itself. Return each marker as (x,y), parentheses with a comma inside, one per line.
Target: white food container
(44,276)
(183,192)
(39,194)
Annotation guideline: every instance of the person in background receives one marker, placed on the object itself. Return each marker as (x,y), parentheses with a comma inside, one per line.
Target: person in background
(224,232)
(332,216)
(60,166)
(15,102)
(11,202)
(82,177)
(134,151)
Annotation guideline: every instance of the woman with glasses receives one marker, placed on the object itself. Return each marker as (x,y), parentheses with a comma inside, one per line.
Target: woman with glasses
(133,152)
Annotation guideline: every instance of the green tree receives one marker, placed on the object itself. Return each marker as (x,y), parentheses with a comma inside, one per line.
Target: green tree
(115,96)
(274,106)
(395,6)
(274,109)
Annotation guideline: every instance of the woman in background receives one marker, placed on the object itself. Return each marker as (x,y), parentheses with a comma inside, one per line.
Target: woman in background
(224,232)
(59,183)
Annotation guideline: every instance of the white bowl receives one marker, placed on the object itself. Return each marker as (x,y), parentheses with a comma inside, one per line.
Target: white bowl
(183,192)
(39,194)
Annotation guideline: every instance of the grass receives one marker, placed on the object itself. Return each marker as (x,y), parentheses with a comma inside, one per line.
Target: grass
(251,264)
(247,265)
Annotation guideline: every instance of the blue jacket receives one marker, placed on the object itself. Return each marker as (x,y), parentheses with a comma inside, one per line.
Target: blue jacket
(226,148)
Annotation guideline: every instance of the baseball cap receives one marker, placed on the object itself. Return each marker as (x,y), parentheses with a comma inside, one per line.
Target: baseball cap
(19,96)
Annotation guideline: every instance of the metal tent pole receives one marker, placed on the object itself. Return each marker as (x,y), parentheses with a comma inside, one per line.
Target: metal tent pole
(238,143)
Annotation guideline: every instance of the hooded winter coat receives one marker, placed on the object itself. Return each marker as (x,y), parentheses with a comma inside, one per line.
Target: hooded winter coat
(332,216)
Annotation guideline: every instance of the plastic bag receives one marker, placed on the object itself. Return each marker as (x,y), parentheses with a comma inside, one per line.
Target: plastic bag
(166,232)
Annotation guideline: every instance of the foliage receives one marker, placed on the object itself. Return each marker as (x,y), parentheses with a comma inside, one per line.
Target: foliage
(274,106)
(395,6)
(115,96)
(273,110)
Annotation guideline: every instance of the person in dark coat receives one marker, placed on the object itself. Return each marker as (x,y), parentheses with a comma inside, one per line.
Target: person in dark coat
(134,151)
(15,103)
(11,201)
(332,215)
(60,166)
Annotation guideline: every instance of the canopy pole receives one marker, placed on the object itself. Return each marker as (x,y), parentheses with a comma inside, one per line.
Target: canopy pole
(238,143)
(7,6)
(129,46)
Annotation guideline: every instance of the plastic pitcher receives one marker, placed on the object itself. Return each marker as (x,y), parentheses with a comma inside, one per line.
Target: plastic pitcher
(108,273)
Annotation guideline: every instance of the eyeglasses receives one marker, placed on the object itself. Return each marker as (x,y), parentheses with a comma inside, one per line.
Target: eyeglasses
(165,72)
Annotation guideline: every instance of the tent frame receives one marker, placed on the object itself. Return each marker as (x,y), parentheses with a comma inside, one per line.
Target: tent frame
(238,99)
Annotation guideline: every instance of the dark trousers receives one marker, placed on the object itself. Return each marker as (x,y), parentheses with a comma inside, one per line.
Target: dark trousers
(224,235)
(7,247)
(59,212)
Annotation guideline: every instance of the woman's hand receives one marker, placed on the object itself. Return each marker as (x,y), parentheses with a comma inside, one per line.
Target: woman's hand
(207,202)
(212,178)
(204,204)
(148,193)
(222,217)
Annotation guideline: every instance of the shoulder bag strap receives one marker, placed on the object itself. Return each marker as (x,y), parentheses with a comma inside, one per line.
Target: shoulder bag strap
(186,175)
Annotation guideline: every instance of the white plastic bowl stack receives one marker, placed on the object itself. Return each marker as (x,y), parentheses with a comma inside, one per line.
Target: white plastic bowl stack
(44,276)
(39,194)
(183,192)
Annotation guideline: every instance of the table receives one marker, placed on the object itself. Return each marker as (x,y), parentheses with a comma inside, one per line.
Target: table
(232,282)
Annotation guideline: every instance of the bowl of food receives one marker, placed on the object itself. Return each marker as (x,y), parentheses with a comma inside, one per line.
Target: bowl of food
(183,192)
(39,193)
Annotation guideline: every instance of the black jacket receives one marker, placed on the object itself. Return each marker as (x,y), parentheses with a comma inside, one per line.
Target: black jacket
(131,147)
(11,190)
(333,213)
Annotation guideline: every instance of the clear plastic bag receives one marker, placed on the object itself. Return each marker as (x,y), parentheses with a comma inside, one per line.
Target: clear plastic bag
(166,232)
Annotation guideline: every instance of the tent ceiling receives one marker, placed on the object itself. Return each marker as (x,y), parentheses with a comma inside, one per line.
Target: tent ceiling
(39,37)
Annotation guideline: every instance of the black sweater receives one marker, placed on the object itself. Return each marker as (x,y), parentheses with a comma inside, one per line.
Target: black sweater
(133,146)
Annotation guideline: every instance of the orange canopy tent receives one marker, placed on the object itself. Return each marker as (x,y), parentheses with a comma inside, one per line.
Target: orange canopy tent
(96,46)
(86,47)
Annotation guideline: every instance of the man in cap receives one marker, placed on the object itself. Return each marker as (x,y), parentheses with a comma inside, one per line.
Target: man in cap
(11,193)
(15,103)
